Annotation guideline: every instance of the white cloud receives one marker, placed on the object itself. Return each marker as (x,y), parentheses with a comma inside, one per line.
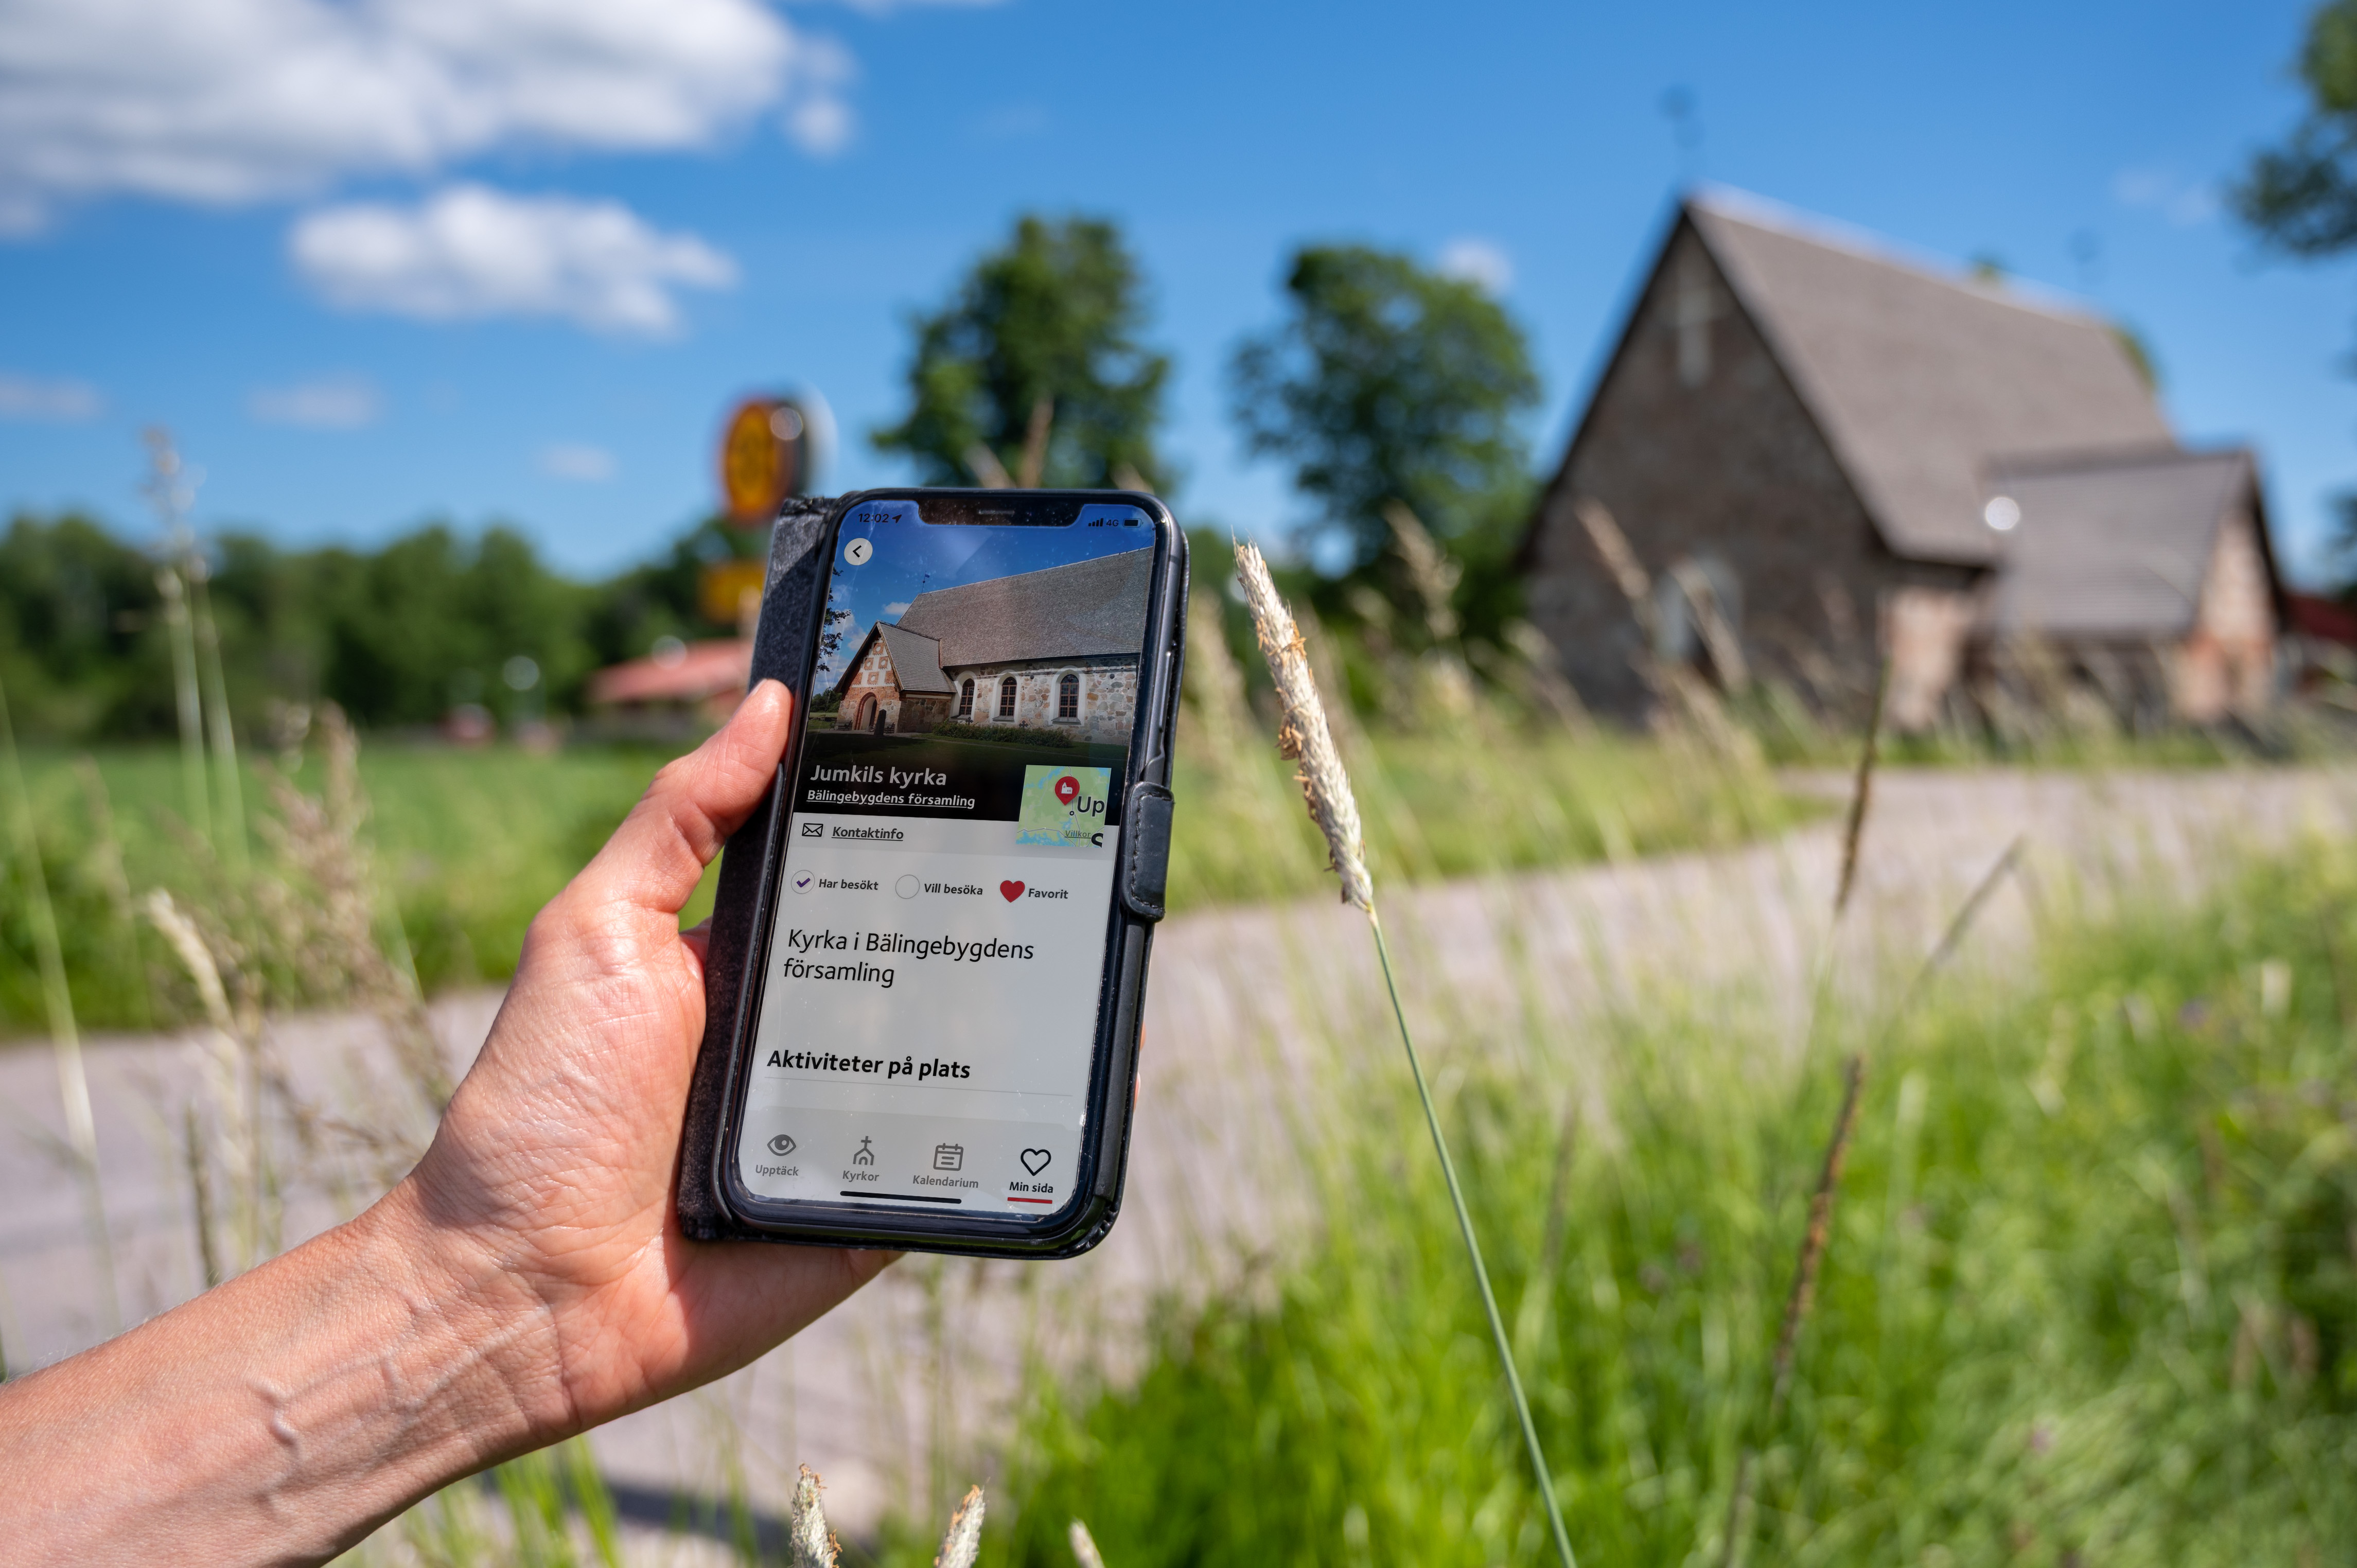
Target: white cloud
(470,252)
(817,118)
(2187,203)
(30,397)
(896,610)
(333,402)
(885,7)
(1480,262)
(578,461)
(237,101)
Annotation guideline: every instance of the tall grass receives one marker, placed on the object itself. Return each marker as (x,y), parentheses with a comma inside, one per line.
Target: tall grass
(470,844)
(1304,739)
(1457,783)
(2092,1295)
(57,1001)
(309,924)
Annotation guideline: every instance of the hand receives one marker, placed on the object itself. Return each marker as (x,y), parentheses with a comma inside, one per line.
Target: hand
(527,1280)
(555,1162)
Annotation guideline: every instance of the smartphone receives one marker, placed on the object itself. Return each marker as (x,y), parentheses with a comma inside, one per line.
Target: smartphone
(936,1047)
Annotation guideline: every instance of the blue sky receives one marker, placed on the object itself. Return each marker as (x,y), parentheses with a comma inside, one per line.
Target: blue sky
(419,258)
(908,558)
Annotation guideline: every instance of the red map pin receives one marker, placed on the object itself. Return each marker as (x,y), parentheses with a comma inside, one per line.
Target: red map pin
(1067,789)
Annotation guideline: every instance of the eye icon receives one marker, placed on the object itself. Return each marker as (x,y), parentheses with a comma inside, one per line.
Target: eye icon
(782,1144)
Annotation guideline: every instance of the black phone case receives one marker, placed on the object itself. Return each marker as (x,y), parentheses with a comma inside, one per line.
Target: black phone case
(782,647)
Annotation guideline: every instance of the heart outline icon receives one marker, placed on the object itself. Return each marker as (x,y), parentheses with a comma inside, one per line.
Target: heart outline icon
(1010,891)
(1035,1160)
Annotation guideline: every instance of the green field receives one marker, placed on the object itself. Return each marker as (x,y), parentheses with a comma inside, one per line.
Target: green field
(467,845)
(2092,1295)
(1464,804)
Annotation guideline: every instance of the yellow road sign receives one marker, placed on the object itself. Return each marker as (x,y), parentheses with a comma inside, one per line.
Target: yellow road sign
(760,457)
(727,590)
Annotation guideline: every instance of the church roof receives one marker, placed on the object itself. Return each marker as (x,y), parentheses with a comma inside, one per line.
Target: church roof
(2116,545)
(1921,381)
(916,660)
(1086,609)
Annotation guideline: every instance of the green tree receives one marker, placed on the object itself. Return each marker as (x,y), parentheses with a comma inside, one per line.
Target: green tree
(2302,197)
(80,641)
(1034,368)
(395,635)
(433,618)
(1389,383)
(662,597)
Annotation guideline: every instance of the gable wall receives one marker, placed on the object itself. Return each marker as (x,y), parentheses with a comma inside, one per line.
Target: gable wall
(875,669)
(1731,466)
(2227,664)
(872,678)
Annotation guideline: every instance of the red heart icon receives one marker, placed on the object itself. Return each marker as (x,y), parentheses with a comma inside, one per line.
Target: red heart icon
(1066,788)
(1011,890)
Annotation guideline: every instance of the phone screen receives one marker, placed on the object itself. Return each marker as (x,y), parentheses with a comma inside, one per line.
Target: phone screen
(930,1014)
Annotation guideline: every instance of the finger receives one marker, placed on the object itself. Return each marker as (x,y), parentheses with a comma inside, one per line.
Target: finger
(658,854)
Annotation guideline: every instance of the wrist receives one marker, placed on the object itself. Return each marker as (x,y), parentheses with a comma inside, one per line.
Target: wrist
(281,1416)
(483,1341)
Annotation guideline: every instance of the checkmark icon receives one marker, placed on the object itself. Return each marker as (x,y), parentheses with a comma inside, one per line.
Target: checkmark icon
(801,881)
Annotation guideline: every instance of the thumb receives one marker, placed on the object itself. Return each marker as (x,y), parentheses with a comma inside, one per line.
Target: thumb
(657,856)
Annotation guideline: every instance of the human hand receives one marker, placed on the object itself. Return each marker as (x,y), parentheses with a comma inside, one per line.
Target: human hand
(549,1182)
(526,1281)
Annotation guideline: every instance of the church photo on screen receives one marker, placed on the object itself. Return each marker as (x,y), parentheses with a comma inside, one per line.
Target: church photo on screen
(1053,650)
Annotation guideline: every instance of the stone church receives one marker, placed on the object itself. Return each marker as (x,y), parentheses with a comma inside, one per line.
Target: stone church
(1054,650)
(1818,448)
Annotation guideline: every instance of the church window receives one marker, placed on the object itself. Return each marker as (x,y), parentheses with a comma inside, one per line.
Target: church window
(1007,698)
(965,698)
(1068,700)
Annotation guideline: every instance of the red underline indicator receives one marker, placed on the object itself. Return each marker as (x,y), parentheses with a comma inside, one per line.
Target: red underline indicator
(1030,1200)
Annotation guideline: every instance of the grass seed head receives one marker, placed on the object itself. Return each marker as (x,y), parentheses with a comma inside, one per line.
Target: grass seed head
(809,1543)
(964,1541)
(1430,571)
(188,946)
(1084,1547)
(1612,545)
(1305,737)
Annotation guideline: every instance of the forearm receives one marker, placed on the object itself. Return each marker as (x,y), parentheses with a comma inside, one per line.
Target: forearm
(281,1416)
(524,1283)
